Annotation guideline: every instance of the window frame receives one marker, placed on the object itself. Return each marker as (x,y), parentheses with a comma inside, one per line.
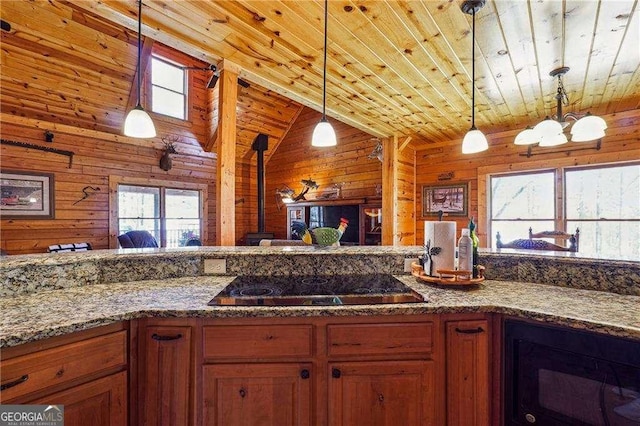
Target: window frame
(484,181)
(185,86)
(115,181)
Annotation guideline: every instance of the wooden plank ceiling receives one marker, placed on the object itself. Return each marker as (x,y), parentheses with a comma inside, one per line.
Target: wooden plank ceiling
(394,67)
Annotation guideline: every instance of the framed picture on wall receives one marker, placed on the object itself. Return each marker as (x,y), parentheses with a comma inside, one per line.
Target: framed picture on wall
(26,195)
(452,199)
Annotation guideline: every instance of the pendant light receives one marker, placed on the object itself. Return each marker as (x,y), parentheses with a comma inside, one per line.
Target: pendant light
(474,141)
(138,123)
(323,134)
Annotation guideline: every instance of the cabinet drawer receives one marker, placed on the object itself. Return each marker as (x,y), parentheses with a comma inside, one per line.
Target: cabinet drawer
(380,339)
(34,372)
(258,341)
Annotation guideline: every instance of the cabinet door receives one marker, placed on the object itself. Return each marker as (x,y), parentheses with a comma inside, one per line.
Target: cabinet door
(257,394)
(468,373)
(164,389)
(102,402)
(382,393)
(370,224)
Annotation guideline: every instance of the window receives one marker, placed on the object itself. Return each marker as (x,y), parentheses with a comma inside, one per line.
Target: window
(171,215)
(603,202)
(168,88)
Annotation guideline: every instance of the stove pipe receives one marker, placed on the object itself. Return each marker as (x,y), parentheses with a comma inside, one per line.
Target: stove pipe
(260,145)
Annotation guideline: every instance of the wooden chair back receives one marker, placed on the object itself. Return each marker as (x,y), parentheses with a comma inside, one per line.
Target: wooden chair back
(535,243)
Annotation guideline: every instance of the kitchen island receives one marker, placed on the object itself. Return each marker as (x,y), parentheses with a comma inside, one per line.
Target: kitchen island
(113,325)
(50,295)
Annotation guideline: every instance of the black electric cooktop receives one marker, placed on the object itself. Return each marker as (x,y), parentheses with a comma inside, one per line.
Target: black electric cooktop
(313,290)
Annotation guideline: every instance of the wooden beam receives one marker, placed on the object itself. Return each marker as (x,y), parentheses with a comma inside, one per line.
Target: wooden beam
(405,143)
(284,134)
(389,190)
(147,47)
(213,115)
(226,150)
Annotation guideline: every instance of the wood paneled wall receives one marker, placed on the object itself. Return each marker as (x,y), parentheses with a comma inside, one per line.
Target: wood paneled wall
(621,143)
(296,159)
(97,156)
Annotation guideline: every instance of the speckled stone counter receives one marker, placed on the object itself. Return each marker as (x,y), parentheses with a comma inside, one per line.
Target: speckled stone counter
(50,295)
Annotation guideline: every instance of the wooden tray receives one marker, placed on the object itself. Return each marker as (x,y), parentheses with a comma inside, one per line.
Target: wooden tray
(456,280)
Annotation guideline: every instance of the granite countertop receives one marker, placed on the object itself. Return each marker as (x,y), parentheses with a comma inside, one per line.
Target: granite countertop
(50,313)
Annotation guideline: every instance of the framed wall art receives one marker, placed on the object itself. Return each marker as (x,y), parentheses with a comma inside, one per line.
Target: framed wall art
(452,199)
(26,195)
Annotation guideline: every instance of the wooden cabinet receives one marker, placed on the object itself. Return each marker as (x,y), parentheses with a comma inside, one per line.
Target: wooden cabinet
(382,373)
(165,371)
(382,393)
(258,374)
(101,402)
(468,379)
(370,224)
(257,394)
(84,371)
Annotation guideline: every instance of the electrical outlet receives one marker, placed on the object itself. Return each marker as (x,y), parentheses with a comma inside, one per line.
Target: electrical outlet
(215,266)
(408,262)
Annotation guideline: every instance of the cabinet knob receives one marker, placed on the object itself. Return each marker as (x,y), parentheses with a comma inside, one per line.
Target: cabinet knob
(472,331)
(160,337)
(336,373)
(15,382)
(305,374)
(242,393)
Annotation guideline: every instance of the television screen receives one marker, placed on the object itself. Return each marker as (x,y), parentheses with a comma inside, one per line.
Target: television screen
(329,216)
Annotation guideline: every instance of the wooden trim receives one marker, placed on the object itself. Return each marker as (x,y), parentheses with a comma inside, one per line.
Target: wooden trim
(284,134)
(114,181)
(404,144)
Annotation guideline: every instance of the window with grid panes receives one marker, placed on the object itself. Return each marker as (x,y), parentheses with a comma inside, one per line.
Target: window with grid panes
(602,201)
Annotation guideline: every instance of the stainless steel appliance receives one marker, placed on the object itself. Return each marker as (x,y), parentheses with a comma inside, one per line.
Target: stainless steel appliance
(316,290)
(556,376)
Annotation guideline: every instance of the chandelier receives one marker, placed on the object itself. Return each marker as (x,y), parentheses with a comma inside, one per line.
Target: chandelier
(550,131)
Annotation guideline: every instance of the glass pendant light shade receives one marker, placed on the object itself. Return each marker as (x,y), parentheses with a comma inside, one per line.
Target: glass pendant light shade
(474,141)
(138,124)
(548,128)
(553,140)
(323,134)
(588,128)
(527,137)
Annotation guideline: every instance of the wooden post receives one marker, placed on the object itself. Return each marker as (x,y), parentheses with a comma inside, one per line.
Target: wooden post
(389,190)
(226,152)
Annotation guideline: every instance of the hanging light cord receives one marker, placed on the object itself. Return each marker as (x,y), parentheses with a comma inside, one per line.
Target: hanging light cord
(139,50)
(324,72)
(473,71)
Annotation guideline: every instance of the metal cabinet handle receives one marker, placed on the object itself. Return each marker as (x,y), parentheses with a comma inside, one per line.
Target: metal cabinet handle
(472,331)
(305,374)
(159,337)
(15,382)
(336,373)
